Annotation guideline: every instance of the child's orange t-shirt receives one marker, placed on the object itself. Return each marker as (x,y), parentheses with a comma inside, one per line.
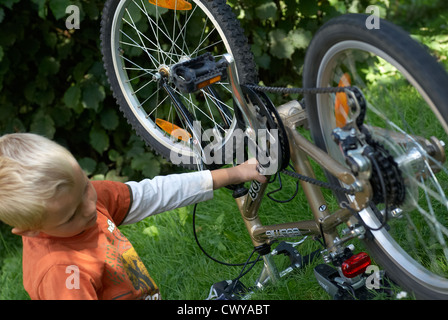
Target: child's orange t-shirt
(99,263)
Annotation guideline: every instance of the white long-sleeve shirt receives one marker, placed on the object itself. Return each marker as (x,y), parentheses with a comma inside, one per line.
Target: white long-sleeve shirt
(165,193)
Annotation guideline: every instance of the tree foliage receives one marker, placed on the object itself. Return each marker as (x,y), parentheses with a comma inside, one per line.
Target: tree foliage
(52,80)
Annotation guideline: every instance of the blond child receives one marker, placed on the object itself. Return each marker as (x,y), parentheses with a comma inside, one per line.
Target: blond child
(72,248)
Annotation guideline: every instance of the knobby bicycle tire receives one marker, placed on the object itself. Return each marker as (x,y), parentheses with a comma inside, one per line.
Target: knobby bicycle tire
(139,39)
(408,81)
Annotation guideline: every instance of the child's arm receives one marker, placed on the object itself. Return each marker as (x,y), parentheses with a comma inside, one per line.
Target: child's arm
(244,172)
(164,193)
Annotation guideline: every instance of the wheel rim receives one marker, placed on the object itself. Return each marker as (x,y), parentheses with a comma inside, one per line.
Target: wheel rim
(147,39)
(348,55)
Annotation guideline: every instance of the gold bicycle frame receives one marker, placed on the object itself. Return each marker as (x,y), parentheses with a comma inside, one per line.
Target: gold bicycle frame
(324,222)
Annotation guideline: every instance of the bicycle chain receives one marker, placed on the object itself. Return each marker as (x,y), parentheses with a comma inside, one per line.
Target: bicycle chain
(298,90)
(322,184)
(319,183)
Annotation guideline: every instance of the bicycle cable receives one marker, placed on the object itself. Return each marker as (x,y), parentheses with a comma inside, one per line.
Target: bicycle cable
(269,194)
(244,264)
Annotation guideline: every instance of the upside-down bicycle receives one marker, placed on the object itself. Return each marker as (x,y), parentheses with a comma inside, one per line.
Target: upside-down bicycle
(375,103)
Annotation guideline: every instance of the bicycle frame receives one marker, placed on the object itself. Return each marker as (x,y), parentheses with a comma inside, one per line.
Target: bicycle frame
(325,222)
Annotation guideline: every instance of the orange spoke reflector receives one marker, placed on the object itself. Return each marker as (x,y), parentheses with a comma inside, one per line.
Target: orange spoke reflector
(209,82)
(340,104)
(173,130)
(172,4)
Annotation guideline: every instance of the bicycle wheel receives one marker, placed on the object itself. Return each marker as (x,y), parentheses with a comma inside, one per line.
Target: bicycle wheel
(406,114)
(142,40)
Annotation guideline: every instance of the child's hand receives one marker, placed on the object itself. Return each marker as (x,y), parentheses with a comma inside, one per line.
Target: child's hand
(249,171)
(244,172)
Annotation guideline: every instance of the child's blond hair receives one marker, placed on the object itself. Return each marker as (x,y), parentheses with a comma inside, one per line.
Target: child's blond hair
(32,170)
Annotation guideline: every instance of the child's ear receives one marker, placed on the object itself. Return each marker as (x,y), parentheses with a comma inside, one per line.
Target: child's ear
(26,233)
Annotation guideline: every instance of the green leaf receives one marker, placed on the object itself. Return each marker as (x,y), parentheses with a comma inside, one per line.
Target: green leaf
(114,155)
(43,124)
(14,125)
(300,38)
(147,164)
(72,96)
(80,70)
(281,46)
(92,95)
(88,165)
(221,247)
(99,139)
(109,119)
(183,215)
(266,11)
(151,231)
(58,7)
(113,175)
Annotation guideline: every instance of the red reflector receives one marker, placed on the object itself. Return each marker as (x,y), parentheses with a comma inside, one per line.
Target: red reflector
(355,265)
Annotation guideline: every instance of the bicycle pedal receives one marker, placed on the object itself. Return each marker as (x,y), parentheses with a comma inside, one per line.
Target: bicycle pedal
(197,73)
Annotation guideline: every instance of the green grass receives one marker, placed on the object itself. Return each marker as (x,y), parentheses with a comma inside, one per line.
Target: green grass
(11,266)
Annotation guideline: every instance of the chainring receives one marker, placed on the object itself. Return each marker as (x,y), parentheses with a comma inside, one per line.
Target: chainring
(268,115)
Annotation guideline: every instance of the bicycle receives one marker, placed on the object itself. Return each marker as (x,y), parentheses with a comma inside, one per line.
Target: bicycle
(375,104)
